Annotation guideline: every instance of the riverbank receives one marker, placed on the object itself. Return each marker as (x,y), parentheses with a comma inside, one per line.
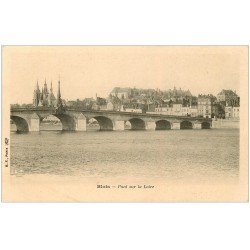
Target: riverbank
(224,123)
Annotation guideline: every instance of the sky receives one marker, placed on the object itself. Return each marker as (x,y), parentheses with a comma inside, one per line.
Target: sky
(85,71)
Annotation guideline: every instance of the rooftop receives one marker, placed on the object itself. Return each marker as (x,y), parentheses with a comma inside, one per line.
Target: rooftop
(119,90)
(227,92)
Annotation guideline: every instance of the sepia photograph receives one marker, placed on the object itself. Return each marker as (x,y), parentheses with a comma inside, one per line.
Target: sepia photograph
(125,123)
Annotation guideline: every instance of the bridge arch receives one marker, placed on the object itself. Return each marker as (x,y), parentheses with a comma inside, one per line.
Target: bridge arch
(205,125)
(68,122)
(137,124)
(21,123)
(186,125)
(50,122)
(104,122)
(162,125)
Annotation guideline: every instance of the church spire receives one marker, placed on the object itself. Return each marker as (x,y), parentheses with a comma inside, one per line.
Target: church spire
(59,91)
(59,100)
(45,87)
(37,85)
(36,95)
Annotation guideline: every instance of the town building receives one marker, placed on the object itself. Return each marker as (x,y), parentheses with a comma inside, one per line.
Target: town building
(176,94)
(228,112)
(95,106)
(133,110)
(218,110)
(205,103)
(51,118)
(236,113)
(228,97)
(110,106)
(232,113)
(115,106)
(177,110)
(151,106)
(122,93)
(193,111)
(99,103)
(230,102)
(163,110)
(115,103)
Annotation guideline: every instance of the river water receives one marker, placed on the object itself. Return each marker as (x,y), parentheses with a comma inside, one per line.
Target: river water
(196,155)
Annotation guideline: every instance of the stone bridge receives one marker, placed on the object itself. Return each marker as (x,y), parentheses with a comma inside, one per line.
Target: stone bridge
(29,119)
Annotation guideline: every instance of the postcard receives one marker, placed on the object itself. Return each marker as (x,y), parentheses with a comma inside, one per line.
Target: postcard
(125,123)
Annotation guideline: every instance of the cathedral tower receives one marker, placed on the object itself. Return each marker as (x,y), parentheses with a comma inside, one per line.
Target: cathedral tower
(45,94)
(45,97)
(52,99)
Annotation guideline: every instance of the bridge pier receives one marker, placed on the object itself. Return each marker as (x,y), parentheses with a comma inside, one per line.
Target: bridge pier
(81,123)
(72,121)
(118,125)
(34,123)
(197,125)
(150,125)
(176,125)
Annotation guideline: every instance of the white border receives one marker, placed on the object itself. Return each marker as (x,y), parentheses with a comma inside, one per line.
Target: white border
(125,226)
